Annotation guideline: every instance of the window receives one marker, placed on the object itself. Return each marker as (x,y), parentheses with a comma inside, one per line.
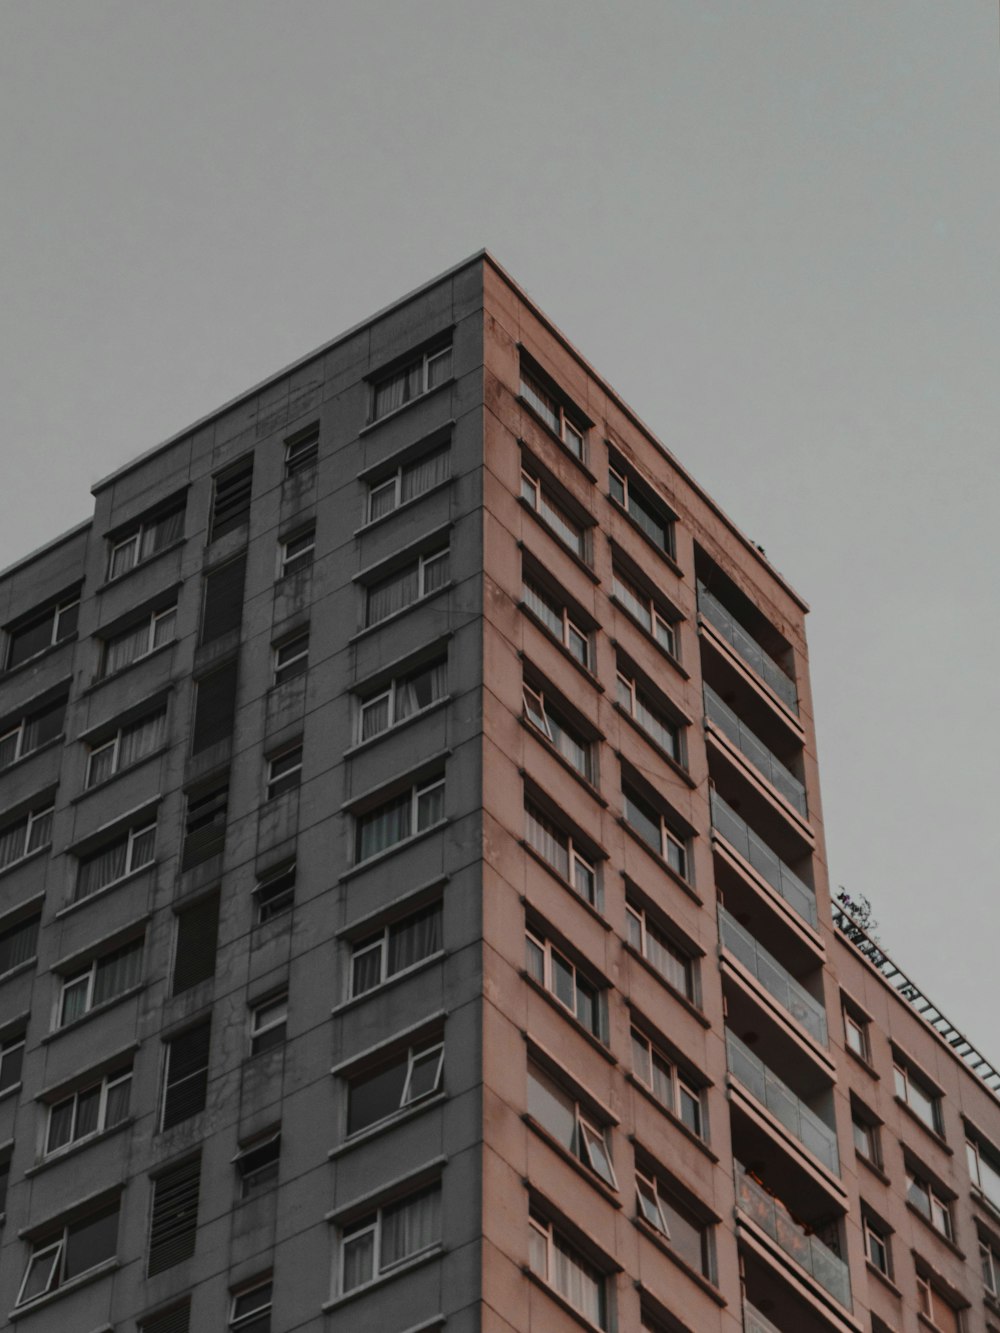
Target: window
(866,1138)
(284,771)
(653,829)
(215,707)
(186,1081)
(297,552)
(175,1320)
(553,970)
(130,744)
(399,1081)
(34,633)
(68,1250)
(688,1234)
(989,1261)
(291,656)
(560,1265)
(231,499)
(672,962)
(571,1125)
(928,1202)
(558,621)
(25,835)
(173,1225)
(375,1243)
(938,1309)
(268,1023)
(250,1309)
(19,942)
(416,377)
(876,1236)
(567,426)
(922,1100)
(407,585)
(567,529)
(31,732)
(560,851)
(222,609)
(275,893)
(402,698)
(4,1181)
(856,1033)
(144,539)
(674,1089)
(11,1059)
(405,815)
(984,1168)
(126,855)
(205,823)
(571,744)
(90,1110)
(197,936)
(257,1162)
(644,609)
(408,481)
(395,948)
(654,520)
(302,451)
(654,722)
(139,640)
(103,980)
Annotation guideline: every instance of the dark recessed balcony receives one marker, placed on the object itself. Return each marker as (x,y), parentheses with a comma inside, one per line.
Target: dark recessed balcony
(767,763)
(774,977)
(772,1092)
(795,891)
(746,646)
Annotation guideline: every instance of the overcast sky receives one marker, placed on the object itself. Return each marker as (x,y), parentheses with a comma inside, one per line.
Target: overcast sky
(772,224)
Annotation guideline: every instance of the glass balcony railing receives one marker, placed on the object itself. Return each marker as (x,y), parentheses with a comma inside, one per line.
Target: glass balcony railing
(755,1322)
(771,1091)
(780,777)
(768,864)
(775,979)
(809,1252)
(748,648)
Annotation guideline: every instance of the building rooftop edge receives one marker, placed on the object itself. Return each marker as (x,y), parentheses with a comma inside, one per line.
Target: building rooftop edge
(45,546)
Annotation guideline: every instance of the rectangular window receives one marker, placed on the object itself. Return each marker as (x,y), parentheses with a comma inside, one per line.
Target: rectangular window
(291,657)
(866,1137)
(688,1234)
(395,948)
(674,1089)
(268,1024)
(173,1225)
(250,1309)
(654,519)
(101,981)
(395,1083)
(922,1101)
(11,1059)
(302,451)
(19,943)
(984,1168)
(407,585)
(31,732)
(939,1311)
(653,829)
(404,816)
(215,707)
(175,1320)
(561,1266)
(558,620)
(876,1236)
(231,499)
(562,422)
(91,1110)
(197,936)
(402,698)
(856,1034)
(4,1181)
(380,1240)
(145,539)
(553,970)
(567,529)
(125,856)
(40,630)
(929,1202)
(129,745)
(644,609)
(258,1161)
(186,1082)
(408,481)
(205,824)
(569,1123)
(560,851)
(222,608)
(297,552)
(416,377)
(653,721)
(989,1262)
(68,1251)
(275,893)
(567,739)
(672,962)
(25,835)
(284,771)
(139,640)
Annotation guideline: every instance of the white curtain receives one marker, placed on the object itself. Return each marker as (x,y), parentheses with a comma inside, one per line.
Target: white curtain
(393,593)
(410,1226)
(420,690)
(577,1281)
(383,827)
(102,868)
(414,939)
(140,739)
(547,841)
(359,1253)
(537,602)
(117,973)
(126,648)
(12,842)
(424,473)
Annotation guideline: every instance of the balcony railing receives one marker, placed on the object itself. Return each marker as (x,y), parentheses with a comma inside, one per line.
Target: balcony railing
(780,777)
(771,1091)
(748,648)
(809,1252)
(789,993)
(768,864)
(754,1321)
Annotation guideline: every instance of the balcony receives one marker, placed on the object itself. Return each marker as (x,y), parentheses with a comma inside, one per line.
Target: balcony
(754,1321)
(781,778)
(776,980)
(755,656)
(767,863)
(808,1251)
(771,1091)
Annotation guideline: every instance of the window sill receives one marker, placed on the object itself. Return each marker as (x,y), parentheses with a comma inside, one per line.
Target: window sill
(664,865)
(401,508)
(561,1301)
(72,1149)
(665,556)
(679,996)
(366,744)
(884,1278)
(606,1190)
(380,857)
(665,653)
(583,670)
(364,1136)
(132,768)
(93,1013)
(12,972)
(556,438)
(43,1302)
(80,903)
(50,651)
(407,1266)
(547,745)
(674,764)
(98,681)
(110,583)
(992,1209)
(39,749)
(570,1017)
(932,1134)
(869,1069)
(403,611)
(404,407)
(438,956)
(660,1241)
(873,1167)
(939,1235)
(673,1117)
(23,860)
(575,556)
(565,884)
(11,1090)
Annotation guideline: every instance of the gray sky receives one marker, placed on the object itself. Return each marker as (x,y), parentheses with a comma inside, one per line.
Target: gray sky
(772,224)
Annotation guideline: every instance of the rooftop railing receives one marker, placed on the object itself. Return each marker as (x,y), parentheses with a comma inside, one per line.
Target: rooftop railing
(767,863)
(771,1091)
(775,979)
(809,1252)
(755,656)
(779,776)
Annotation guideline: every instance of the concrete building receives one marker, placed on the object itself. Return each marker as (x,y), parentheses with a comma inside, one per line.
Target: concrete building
(413,896)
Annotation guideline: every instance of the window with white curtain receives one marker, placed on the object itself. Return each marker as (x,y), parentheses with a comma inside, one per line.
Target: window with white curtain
(416,377)
(551,969)
(408,481)
(19,943)
(395,947)
(562,1266)
(559,849)
(547,718)
(553,514)
(561,421)
(126,747)
(646,512)
(98,1106)
(145,538)
(411,812)
(653,829)
(671,1087)
(25,835)
(31,732)
(672,961)
(571,1124)
(120,650)
(644,608)
(101,980)
(406,585)
(558,620)
(402,698)
(127,854)
(661,730)
(376,1243)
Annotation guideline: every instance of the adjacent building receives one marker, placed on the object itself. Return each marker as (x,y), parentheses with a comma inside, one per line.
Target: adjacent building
(413,897)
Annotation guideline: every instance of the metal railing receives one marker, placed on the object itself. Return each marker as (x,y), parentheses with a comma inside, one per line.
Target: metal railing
(767,863)
(756,657)
(755,1322)
(779,776)
(813,1133)
(809,1252)
(775,979)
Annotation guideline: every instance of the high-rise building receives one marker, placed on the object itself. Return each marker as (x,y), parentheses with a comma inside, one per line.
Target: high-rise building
(414,898)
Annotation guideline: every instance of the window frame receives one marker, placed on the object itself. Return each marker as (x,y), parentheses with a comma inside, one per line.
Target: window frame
(869,1132)
(12,1050)
(294,561)
(975,1155)
(938,1213)
(554,1238)
(650,937)
(549,407)
(267,1034)
(544,946)
(135,535)
(88,976)
(538,496)
(551,722)
(396,480)
(289,775)
(989,1262)
(22,728)
(619,473)
(655,1200)
(581,874)
(875,1242)
(904,1080)
(421,362)
(132,838)
(250,1175)
(381,940)
(110,1081)
(421,563)
(57,1247)
(590,1140)
(532,591)
(674,850)
(640,606)
(152,622)
(43,816)
(856,1034)
(114,742)
(416,793)
(391,693)
(372,1222)
(681,1084)
(301,451)
(928,1295)
(287,668)
(58,610)
(269,879)
(240,1318)
(431,1049)
(28,924)
(170,1082)
(639,702)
